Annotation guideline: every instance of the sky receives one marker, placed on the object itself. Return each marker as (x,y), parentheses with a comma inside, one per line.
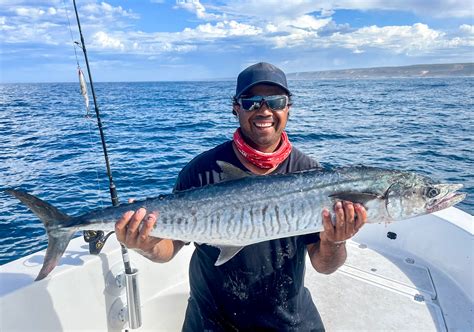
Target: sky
(160,40)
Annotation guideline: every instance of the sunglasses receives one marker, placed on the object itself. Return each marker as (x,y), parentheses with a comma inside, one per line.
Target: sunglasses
(275,103)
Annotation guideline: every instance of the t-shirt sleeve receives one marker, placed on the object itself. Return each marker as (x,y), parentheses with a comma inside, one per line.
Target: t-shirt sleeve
(299,161)
(189,176)
(203,169)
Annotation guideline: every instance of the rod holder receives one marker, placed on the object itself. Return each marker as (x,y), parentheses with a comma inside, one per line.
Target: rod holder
(133,300)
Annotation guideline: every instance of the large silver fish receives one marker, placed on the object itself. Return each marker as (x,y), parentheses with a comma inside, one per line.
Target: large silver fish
(248,209)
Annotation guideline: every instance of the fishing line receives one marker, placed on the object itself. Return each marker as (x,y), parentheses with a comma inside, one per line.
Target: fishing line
(99,190)
(82,79)
(87,116)
(72,36)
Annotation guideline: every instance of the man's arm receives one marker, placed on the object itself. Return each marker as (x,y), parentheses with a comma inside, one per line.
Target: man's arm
(330,252)
(133,230)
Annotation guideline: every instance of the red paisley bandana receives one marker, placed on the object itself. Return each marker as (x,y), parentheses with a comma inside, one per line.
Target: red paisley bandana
(262,159)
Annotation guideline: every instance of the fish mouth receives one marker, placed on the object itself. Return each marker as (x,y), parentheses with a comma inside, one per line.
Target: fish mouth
(447,198)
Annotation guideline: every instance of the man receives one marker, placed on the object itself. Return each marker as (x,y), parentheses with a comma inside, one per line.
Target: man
(261,288)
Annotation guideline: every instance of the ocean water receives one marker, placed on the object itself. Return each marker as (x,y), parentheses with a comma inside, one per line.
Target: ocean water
(49,148)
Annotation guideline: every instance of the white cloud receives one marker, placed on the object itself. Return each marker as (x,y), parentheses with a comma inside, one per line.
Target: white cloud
(415,40)
(52,11)
(31,25)
(220,30)
(326,12)
(45,22)
(14,3)
(29,12)
(270,10)
(142,44)
(194,6)
(467,29)
(274,22)
(294,8)
(306,22)
(418,39)
(106,9)
(188,40)
(286,28)
(433,8)
(102,40)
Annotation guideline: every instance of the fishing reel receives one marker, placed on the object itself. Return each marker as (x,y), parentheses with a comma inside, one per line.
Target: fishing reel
(96,240)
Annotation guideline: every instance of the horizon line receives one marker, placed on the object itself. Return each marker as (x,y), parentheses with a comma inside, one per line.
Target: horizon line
(288,74)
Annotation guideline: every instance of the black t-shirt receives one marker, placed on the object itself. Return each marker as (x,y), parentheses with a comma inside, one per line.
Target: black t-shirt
(261,288)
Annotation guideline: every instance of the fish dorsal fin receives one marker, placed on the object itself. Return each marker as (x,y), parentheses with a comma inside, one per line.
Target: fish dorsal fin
(227,252)
(231,172)
(355,197)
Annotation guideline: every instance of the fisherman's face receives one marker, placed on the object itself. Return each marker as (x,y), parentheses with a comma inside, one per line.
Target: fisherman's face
(262,127)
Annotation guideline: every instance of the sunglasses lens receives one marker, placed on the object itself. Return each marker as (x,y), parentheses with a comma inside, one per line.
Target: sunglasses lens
(275,103)
(249,104)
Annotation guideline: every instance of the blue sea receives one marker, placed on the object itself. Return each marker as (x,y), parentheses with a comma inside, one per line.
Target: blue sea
(49,148)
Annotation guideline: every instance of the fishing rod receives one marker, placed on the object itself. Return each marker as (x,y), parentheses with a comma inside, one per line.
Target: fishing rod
(133,298)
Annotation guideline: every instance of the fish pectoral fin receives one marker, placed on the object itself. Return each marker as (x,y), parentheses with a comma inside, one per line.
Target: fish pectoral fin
(227,252)
(355,197)
(230,172)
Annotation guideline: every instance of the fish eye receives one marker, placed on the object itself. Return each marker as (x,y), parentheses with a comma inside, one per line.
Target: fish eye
(432,192)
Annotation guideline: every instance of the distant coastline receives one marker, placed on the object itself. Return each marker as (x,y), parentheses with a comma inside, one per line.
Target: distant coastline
(414,71)
(423,70)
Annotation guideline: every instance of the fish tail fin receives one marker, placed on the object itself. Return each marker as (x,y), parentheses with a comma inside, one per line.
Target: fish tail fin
(54,222)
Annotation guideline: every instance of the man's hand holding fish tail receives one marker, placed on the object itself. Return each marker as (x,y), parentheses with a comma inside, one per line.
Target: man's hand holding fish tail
(329,253)
(133,230)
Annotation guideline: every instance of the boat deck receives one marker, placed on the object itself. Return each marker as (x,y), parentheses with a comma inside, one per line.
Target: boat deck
(386,292)
(371,291)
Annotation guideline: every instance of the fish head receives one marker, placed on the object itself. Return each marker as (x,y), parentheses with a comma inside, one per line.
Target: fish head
(389,195)
(411,195)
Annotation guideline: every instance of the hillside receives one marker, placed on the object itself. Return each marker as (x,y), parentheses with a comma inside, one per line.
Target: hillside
(431,70)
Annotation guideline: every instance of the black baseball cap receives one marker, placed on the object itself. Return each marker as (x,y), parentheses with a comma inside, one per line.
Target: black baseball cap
(261,72)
